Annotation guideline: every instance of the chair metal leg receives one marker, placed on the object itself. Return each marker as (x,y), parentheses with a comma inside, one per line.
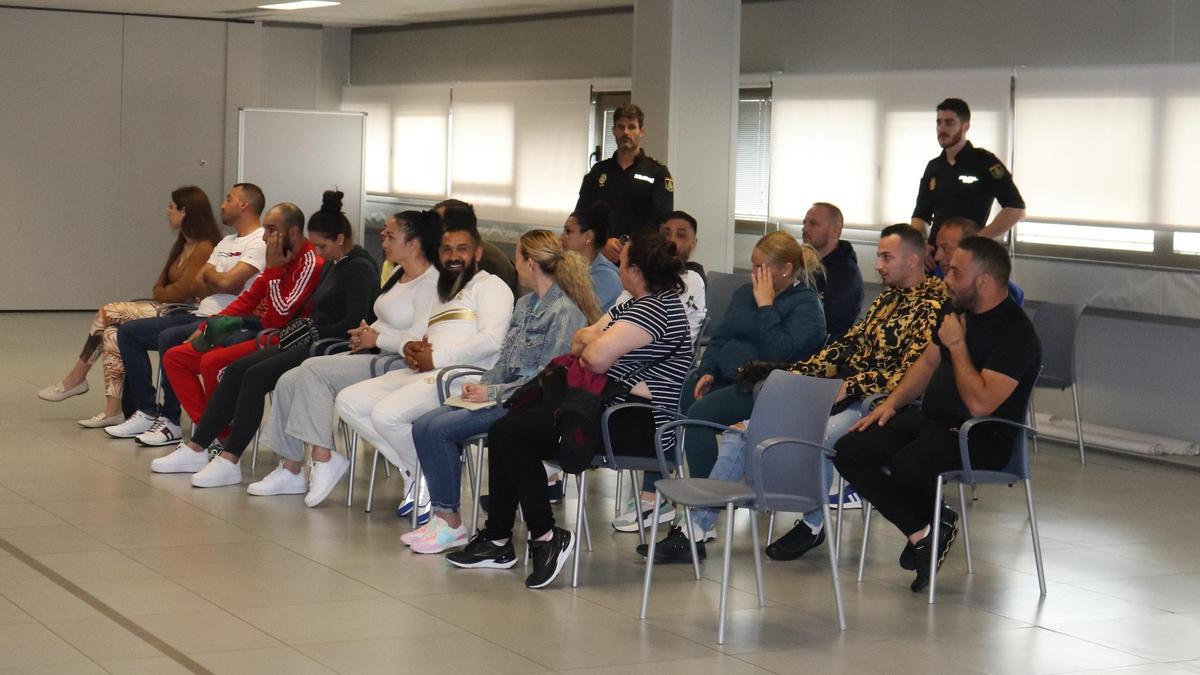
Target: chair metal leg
(254,451)
(1033,423)
(582,505)
(1078,422)
(477,489)
(758,573)
(687,519)
(371,485)
(837,536)
(771,528)
(468,459)
(833,569)
(862,552)
(637,512)
(966,532)
(350,442)
(650,558)
(729,508)
(416,510)
(1037,540)
(617,497)
(581,481)
(935,538)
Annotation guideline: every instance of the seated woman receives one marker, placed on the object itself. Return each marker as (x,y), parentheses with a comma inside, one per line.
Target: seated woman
(777,314)
(342,300)
(542,326)
(190,213)
(585,234)
(645,338)
(302,410)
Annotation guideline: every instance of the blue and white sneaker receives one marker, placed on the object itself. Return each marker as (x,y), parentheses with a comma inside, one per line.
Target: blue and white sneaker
(404,510)
(851,498)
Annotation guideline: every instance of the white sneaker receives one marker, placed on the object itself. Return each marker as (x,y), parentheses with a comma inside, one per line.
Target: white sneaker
(137,424)
(100,420)
(218,473)
(181,460)
(56,392)
(164,432)
(627,522)
(323,476)
(279,482)
(441,537)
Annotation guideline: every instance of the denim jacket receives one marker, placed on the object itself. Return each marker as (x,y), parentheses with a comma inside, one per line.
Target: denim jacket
(539,331)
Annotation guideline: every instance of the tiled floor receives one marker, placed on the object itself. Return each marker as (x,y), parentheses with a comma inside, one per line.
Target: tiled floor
(240,584)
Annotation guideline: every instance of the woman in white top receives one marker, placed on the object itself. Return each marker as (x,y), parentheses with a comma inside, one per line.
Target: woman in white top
(302,411)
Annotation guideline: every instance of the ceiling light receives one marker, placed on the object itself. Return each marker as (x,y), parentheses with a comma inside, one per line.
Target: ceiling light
(301,4)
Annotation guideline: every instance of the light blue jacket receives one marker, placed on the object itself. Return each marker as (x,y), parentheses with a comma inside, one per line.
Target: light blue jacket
(606,279)
(540,330)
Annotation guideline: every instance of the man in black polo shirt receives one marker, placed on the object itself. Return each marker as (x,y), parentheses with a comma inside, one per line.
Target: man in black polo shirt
(983,360)
(640,190)
(963,180)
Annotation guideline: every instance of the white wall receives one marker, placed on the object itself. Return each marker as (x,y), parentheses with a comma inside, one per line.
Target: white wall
(103,115)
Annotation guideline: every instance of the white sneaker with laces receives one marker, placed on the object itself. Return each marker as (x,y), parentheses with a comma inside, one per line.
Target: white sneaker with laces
(627,522)
(164,432)
(181,460)
(137,424)
(217,473)
(56,392)
(279,482)
(100,420)
(323,477)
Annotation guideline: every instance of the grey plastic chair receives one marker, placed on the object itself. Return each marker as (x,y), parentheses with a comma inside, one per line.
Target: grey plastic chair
(1057,325)
(718,293)
(785,471)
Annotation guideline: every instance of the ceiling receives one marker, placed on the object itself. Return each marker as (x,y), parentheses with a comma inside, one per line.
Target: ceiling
(353,13)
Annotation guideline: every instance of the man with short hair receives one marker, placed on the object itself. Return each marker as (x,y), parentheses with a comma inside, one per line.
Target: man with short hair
(950,235)
(841,286)
(277,296)
(963,180)
(680,228)
(984,360)
(231,269)
(639,189)
(457,213)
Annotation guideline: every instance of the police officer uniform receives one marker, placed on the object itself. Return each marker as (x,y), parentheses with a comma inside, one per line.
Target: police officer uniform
(965,189)
(641,197)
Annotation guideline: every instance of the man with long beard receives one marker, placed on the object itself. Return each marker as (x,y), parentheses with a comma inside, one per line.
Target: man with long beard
(467,323)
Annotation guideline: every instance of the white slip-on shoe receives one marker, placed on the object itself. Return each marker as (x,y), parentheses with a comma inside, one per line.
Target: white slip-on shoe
(323,477)
(137,424)
(217,473)
(56,392)
(181,460)
(279,482)
(100,420)
(164,432)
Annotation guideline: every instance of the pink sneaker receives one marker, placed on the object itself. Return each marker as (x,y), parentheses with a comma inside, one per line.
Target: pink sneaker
(441,538)
(410,538)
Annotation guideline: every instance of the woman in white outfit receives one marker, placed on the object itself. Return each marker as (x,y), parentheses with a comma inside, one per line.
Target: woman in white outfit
(303,407)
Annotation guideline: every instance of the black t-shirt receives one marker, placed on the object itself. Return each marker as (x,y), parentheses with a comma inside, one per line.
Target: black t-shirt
(1002,340)
(641,196)
(965,189)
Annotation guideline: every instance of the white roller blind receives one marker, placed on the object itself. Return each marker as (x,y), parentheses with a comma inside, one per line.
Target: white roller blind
(861,141)
(753,157)
(520,148)
(407,129)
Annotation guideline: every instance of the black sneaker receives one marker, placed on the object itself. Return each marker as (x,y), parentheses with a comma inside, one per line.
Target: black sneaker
(549,557)
(908,558)
(673,549)
(481,553)
(922,551)
(795,543)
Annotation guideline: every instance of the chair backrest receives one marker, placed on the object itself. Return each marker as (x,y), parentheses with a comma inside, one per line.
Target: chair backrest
(1056,325)
(718,293)
(794,407)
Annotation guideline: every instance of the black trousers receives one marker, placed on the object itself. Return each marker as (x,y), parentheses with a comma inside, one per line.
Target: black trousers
(915,449)
(238,401)
(517,444)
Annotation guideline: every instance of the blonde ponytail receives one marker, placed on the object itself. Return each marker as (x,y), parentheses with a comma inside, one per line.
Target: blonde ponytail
(782,248)
(568,269)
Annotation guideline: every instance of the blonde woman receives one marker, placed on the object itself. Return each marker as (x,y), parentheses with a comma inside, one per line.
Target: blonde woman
(543,322)
(190,214)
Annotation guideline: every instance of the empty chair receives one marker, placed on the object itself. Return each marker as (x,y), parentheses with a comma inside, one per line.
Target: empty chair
(1056,325)
(718,293)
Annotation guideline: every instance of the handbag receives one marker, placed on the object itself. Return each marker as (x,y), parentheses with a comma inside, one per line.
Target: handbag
(300,332)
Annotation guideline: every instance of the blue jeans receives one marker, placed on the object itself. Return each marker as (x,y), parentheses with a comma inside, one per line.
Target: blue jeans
(731,465)
(437,435)
(135,340)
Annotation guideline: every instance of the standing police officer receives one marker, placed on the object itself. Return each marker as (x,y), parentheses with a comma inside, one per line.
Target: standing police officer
(963,180)
(638,189)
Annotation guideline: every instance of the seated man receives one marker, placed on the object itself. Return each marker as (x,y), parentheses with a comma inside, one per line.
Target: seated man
(949,235)
(984,360)
(231,269)
(870,359)
(680,229)
(277,296)
(841,286)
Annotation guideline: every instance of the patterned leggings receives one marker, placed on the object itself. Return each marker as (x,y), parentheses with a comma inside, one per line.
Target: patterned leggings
(102,339)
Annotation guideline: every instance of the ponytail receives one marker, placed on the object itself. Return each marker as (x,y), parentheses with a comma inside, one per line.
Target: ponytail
(568,269)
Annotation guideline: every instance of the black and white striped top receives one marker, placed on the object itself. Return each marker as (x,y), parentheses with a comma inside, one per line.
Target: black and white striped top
(663,317)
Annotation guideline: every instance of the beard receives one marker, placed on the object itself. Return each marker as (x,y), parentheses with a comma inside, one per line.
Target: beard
(451,281)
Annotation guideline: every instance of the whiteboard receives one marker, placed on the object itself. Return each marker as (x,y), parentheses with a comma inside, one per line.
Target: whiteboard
(295,155)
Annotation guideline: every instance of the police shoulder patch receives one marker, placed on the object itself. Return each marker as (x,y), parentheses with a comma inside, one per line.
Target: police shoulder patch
(933,183)
(997,170)
(602,179)
(669,183)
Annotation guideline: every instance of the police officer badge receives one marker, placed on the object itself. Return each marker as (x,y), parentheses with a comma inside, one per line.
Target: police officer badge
(933,184)
(997,171)
(669,183)
(603,179)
